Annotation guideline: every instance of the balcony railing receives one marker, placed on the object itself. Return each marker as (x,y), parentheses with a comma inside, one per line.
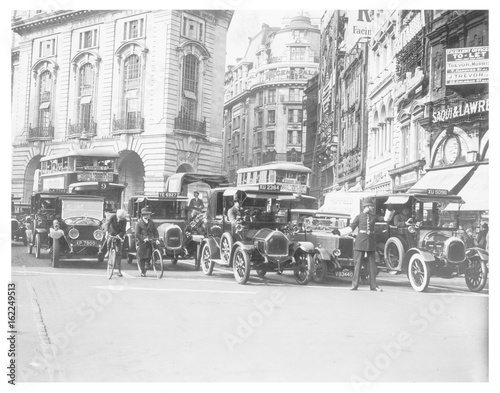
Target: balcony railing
(43,132)
(187,124)
(132,122)
(78,130)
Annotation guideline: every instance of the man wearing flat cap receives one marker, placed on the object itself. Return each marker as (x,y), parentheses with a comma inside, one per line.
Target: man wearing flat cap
(145,234)
(365,244)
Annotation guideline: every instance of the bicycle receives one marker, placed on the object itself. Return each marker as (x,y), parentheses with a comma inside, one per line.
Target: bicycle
(114,250)
(156,260)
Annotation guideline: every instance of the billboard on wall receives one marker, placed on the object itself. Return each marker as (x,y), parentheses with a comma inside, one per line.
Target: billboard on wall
(465,66)
(359,26)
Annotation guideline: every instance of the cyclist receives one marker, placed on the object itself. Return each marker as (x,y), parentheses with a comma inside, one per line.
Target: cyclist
(145,234)
(117,226)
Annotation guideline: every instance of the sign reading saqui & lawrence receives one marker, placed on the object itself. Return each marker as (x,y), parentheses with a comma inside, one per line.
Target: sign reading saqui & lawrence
(461,109)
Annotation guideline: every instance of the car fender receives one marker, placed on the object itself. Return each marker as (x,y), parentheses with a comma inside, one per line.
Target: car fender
(248,247)
(479,252)
(56,233)
(426,256)
(212,246)
(307,247)
(323,253)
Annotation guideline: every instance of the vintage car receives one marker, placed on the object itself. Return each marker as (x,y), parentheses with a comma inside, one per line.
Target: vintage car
(333,254)
(256,240)
(19,221)
(70,226)
(428,243)
(178,233)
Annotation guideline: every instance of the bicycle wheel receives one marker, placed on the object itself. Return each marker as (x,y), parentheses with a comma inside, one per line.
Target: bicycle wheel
(157,262)
(111,262)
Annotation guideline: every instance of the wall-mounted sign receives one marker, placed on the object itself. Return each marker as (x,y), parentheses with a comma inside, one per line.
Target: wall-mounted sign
(467,65)
(461,109)
(358,26)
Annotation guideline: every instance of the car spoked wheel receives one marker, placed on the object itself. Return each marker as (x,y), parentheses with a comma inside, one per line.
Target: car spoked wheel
(319,269)
(157,262)
(111,263)
(226,243)
(207,265)
(476,275)
(241,266)
(393,253)
(418,273)
(304,269)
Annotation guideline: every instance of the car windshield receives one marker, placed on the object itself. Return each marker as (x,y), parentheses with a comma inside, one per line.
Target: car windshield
(166,209)
(324,223)
(82,208)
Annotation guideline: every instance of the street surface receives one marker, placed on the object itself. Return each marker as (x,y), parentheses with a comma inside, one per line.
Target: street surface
(75,325)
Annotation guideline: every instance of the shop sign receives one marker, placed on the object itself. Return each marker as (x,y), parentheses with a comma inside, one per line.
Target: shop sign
(359,26)
(467,65)
(408,177)
(462,109)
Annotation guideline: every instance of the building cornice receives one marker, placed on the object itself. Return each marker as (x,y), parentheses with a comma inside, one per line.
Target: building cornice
(41,21)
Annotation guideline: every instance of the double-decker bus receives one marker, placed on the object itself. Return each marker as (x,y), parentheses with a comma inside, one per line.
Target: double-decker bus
(83,172)
(280,176)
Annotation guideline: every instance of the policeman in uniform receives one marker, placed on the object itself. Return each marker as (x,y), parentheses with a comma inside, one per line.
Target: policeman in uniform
(365,245)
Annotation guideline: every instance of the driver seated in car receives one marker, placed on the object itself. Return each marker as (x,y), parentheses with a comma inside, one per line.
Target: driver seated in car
(234,212)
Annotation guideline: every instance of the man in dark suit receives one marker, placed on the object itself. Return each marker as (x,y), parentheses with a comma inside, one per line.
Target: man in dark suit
(145,235)
(365,244)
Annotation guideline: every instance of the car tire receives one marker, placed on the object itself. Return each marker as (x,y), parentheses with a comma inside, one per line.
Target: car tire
(319,269)
(55,253)
(38,245)
(393,253)
(226,244)
(261,273)
(476,275)
(241,265)
(418,273)
(303,272)
(207,264)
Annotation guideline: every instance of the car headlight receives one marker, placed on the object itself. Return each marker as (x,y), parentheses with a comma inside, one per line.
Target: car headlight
(412,229)
(337,252)
(98,234)
(73,233)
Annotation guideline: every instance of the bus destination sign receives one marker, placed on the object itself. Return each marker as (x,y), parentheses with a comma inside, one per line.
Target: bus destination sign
(95,176)
(436,191)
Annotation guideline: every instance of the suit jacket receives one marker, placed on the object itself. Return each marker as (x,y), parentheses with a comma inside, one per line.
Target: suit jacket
(116,227)
(196,204)
(365,222)
(142,231)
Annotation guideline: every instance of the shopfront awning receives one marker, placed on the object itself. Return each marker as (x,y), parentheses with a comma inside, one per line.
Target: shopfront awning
(443,179)
(475,192)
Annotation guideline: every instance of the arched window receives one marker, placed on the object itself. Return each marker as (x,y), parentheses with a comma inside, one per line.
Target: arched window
(86,91)
(45,99)
(190,79)
(132,91)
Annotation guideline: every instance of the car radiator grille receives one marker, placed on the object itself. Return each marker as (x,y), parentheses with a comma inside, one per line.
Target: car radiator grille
(456,252)
(173,237)
(277,245)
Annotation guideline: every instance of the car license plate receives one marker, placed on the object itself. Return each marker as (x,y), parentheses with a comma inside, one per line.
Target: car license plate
(91,243)
(344,273)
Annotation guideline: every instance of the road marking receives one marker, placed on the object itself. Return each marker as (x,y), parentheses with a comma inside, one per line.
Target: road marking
(121,288)
(59,274)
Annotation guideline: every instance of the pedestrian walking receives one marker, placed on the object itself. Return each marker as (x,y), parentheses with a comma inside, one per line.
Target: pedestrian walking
(481,236)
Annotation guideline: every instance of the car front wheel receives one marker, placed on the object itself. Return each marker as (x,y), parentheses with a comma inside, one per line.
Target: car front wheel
(303,272)
(241,266)
(207,264)
(319,269)
(418,273)
(476,275)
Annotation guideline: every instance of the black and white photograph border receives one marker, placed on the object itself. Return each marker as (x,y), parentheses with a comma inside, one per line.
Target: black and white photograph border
(75,319)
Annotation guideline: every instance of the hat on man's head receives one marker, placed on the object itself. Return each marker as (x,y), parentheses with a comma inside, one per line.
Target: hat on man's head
(196,193)
(145,210)
(368,201)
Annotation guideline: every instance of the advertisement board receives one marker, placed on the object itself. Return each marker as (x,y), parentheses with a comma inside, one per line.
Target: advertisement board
(467,65)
